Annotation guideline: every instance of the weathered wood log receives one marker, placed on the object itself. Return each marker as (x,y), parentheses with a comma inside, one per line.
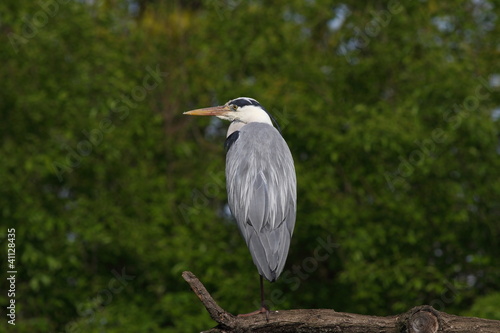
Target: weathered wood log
(420,319)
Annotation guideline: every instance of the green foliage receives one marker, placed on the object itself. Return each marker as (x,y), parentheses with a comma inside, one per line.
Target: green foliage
(387,108)
(486,307)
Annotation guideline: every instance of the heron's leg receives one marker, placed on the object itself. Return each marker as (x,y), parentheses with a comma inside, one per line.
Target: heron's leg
(263,308)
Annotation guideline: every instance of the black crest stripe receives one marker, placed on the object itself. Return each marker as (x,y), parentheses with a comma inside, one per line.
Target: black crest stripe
(242,101)
(275,122)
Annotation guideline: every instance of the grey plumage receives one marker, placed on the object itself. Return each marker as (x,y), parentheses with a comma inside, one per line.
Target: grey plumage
(261,183)
(261,188)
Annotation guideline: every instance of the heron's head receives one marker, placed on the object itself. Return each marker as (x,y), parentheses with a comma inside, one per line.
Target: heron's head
(242,109)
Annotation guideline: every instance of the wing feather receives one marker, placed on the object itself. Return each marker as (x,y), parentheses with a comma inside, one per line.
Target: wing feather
(261,187)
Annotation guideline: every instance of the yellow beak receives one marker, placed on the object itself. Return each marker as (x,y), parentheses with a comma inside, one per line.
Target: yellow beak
(212,111)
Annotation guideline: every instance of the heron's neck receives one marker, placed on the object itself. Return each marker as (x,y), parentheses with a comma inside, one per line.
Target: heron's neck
(234,126)
(249,114)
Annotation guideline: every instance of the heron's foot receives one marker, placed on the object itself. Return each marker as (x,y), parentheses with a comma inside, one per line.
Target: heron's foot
(262,310)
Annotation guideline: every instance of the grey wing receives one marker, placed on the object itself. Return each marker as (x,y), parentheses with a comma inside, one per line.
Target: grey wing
(261,186)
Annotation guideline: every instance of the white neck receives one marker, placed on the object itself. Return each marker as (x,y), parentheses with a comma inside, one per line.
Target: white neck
(248,114)
(233,127)
(253,114)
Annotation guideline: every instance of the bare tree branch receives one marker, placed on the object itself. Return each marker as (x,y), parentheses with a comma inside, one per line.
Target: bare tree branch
(420,319)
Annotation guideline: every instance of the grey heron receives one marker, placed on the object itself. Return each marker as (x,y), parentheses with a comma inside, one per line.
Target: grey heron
(261,184)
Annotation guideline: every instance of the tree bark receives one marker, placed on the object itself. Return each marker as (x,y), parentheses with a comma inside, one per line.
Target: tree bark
(420,319)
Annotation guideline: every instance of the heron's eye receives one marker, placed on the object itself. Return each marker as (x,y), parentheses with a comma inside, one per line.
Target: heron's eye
(234,107)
